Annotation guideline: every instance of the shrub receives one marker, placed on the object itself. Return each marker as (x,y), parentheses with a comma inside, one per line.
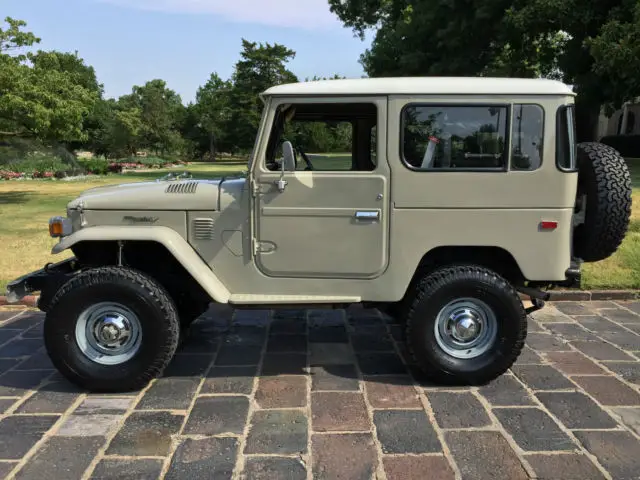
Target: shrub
(627,145)
(38,165)
(95,166)
(148,162)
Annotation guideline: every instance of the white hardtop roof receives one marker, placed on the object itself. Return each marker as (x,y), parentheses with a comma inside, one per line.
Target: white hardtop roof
(425,86)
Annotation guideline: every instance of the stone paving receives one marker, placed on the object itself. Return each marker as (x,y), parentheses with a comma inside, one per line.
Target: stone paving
(331,395)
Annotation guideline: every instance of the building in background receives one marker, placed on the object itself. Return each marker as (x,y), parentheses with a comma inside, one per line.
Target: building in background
(625,121)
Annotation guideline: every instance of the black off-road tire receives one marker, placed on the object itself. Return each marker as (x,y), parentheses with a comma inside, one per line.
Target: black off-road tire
(605,180)
(147,299)
(465,281)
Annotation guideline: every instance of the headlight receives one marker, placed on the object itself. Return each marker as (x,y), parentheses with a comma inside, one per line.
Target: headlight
(60,227)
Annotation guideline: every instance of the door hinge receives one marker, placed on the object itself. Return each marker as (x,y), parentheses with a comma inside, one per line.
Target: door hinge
(255,189)
(262,247)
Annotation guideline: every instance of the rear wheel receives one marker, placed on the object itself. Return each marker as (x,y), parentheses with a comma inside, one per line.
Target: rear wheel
(466,325)
(111,329)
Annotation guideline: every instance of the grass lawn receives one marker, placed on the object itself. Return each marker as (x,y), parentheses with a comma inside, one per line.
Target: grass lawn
(26,206)
(622,269)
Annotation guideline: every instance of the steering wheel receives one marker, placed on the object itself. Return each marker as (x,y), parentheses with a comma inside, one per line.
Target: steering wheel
(306,159)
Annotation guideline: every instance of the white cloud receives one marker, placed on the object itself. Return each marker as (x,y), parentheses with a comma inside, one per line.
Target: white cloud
(305,14)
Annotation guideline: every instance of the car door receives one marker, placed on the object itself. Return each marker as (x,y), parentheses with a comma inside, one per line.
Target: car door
(330,222)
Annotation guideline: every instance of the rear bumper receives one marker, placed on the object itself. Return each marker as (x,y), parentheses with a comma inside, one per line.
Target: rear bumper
(49,278)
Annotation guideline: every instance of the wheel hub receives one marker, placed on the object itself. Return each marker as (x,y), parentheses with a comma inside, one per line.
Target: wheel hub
(466,328)
(108,333)
(112,331)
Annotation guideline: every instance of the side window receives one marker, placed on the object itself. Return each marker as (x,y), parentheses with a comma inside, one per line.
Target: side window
(327,137)
(454,137)
(527,133)
(566,139)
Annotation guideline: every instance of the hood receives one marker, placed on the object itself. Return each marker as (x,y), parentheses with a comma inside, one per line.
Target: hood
(162,195)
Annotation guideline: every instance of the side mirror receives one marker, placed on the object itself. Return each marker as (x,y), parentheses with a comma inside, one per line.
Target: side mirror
(288,157)
(288,165)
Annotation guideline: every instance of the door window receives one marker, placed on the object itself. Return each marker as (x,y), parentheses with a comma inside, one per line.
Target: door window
(327,137)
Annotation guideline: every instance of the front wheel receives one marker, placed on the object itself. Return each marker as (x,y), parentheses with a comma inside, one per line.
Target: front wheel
(466,325)
(111,329)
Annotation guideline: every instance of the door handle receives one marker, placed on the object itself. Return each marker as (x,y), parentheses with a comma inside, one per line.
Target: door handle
(367,215)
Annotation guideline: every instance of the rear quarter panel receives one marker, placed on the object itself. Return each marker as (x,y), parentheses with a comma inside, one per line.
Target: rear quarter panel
(474,208)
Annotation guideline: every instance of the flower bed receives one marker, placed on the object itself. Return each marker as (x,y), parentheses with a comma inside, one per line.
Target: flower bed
(28,169)
(10,175)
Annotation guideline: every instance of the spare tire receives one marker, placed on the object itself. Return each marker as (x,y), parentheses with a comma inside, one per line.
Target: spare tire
(605,181)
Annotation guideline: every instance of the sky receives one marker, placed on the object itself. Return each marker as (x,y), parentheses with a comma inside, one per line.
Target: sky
(129,42)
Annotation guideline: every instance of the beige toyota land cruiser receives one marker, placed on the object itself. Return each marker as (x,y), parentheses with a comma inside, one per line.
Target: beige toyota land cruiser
(458,196)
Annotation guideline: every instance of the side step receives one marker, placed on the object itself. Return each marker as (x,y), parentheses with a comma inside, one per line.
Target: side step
(242,299)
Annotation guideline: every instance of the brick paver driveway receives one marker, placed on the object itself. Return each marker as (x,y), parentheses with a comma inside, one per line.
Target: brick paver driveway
(327,394)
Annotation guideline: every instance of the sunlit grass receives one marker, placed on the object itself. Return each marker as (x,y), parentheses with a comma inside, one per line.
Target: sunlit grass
(621,270)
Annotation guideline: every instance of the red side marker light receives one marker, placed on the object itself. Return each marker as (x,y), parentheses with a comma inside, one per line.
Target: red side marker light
(548,225)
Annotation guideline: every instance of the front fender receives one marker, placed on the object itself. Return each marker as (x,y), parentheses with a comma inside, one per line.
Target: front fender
(172,241)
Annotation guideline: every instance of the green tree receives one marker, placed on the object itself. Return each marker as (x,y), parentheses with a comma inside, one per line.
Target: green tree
(591,44)
(99,125)
(196,141)
(213,108)
(127,130)
(81,74)
(71,64)
(14,38)
(39,98)
(161,112)
(261,66)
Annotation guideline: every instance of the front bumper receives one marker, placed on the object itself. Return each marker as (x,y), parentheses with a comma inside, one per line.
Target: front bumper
(49,278)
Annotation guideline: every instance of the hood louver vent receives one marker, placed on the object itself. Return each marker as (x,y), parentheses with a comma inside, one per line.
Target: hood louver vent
(183,187)
(203,229)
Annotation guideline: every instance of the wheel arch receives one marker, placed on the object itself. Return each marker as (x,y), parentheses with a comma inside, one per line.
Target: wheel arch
(498,259)
(494,258)
(178,249)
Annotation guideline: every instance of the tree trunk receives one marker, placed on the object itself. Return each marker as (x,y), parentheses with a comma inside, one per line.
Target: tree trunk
(587,119)
(212,146)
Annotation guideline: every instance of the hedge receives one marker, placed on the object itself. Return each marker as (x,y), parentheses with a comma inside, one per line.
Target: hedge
(627,145)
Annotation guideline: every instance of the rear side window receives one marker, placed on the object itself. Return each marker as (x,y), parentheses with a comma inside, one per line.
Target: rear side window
(460,137)
(527,133)
(566,139)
